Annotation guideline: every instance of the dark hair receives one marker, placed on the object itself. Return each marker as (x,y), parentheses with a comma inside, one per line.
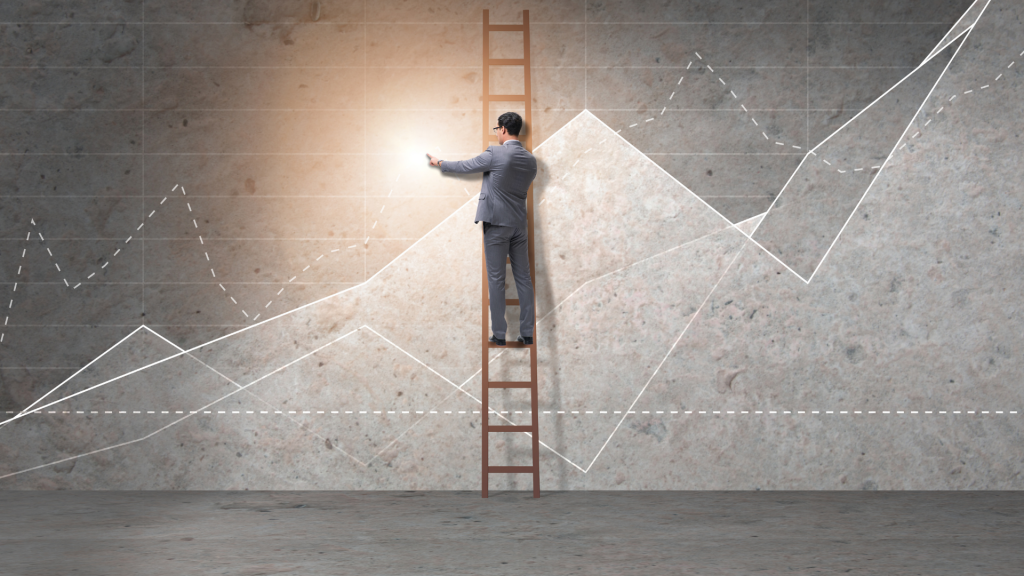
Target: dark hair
(512,122)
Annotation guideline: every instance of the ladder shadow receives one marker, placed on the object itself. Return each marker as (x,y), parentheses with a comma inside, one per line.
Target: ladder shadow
(548,341)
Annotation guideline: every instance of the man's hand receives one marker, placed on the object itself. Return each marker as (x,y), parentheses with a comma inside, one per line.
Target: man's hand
(434,161)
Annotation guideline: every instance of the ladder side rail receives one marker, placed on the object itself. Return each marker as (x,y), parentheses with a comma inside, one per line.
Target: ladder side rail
(535,390)
(483,256)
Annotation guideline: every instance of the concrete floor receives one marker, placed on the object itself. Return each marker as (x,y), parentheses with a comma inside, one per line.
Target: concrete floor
(312,533)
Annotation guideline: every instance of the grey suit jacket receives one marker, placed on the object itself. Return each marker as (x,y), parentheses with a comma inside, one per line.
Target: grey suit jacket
(508,171)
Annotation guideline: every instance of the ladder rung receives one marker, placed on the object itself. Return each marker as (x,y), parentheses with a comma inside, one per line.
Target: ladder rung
(491,385)
(507,62)
(505,28)
(508,301)
(511,469)
(511,344)
(505,98)
(505,428)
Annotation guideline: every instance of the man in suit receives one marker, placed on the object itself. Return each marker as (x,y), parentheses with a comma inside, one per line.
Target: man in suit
(508,171)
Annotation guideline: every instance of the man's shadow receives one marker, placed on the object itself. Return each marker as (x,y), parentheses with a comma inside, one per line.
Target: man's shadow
(550,385)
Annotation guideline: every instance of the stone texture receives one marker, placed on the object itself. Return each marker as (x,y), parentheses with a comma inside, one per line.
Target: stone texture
(750,224)
(970,18)
(582,274)
(880,11)
(89,44)
(139,348)
(587,227)
(75,175)
(718,12)
(252,11)
(803,81)
(920,289)
(818,201)
(72,11)
(510,12)
(902,317)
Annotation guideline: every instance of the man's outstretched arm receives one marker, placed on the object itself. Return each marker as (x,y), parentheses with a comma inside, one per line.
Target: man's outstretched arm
(481,163)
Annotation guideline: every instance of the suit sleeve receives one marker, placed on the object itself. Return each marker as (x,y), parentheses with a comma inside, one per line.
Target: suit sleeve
(481,163)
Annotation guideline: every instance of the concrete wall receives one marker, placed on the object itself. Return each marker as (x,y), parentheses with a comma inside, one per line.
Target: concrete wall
(680,343)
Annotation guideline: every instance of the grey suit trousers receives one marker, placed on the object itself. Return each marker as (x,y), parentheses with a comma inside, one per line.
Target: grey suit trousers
(510,241)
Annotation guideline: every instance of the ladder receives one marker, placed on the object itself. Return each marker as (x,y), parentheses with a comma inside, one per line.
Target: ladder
(527,141)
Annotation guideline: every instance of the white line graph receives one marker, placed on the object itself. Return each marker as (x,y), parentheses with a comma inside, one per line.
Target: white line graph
(34,409)
(889,156)
(845,124)
(667,354)
(577,289)
(249,392)
(627,412)
(254,325)
(965,35)
(459,388)
(182,352)
(52,258)
(813,152)
(626,267)
(967,20)
(245,387)
(655,164)
(501,414)
(398,258)
(753,221)
(17,275)
(30,407)
(165,427)
(191,215)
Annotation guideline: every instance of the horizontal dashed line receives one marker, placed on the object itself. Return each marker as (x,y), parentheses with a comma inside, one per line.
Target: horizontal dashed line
(557,412)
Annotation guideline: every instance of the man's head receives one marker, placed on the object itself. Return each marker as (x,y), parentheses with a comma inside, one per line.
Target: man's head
(509,126)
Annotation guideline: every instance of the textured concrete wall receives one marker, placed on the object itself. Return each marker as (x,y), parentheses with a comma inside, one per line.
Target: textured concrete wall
(675,351)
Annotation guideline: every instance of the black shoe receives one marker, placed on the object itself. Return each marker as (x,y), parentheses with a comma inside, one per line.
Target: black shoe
(528,340)
(498,341)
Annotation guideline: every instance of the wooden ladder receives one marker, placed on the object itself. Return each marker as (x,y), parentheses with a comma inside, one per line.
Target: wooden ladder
(527,141)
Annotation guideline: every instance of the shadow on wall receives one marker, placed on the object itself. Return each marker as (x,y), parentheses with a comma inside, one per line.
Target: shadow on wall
(543,290)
